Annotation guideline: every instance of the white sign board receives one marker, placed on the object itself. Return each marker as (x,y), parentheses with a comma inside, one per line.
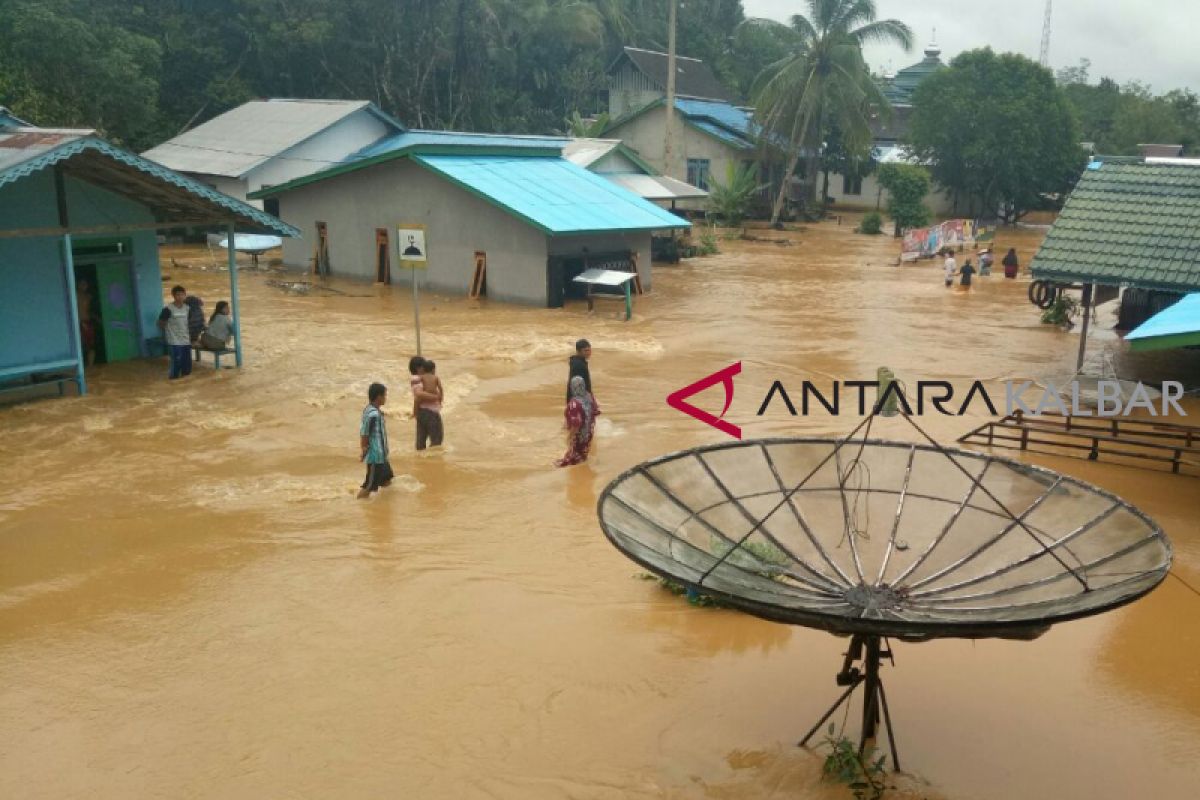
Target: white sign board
(411,242)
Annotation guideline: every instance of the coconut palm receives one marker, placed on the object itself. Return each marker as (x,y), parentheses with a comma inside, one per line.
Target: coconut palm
(824,80)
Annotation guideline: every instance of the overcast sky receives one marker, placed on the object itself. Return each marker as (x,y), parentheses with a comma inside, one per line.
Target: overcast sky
(1126,40)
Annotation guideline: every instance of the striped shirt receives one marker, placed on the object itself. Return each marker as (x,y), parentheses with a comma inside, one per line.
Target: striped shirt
(376,432)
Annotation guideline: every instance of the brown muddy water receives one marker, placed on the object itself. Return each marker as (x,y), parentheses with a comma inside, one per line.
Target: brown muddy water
(193,604)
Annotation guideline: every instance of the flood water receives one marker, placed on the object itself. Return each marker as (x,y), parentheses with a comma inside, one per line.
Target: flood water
(193,604)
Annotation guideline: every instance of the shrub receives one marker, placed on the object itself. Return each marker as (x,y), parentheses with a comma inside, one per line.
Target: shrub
(872,223)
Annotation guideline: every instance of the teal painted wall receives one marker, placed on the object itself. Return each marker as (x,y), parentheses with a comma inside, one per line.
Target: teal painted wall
(34,310)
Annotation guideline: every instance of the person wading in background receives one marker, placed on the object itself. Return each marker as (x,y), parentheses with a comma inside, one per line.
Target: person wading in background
(579,366)
(1011,264)
(372,439)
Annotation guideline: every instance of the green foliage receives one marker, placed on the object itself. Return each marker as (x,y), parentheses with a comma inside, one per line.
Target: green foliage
(708,243)
(143,71)
(823,82)
(871,224)
(1062,312)
(581,128)
(1117,119)
(862,773)
(998,132)
(907,185)
(729,200)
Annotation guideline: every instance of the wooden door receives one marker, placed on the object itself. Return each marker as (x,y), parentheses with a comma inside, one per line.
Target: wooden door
(118,310)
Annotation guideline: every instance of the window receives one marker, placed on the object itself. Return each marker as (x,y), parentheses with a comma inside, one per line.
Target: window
(852,184)
(697,172)
(271,206)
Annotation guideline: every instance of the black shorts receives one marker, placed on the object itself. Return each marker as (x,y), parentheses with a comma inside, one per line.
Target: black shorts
(377,475)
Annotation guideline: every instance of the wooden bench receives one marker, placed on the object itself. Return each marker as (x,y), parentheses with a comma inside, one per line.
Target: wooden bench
(216,354)
(59,372)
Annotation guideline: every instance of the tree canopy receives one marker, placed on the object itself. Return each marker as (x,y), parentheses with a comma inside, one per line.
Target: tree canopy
(141,71)
(823,81)
(997,132)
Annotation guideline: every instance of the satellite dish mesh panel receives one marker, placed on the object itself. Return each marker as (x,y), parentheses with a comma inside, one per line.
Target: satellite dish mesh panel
(879,538)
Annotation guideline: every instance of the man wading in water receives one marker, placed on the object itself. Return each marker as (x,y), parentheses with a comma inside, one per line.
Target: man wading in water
(579,365)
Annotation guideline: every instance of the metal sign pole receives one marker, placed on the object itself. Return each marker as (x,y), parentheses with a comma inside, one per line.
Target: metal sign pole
(416,308)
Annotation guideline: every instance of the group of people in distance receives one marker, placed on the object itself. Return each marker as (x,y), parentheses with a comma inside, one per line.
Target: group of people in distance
(580,414)
(183,326)
(950,267)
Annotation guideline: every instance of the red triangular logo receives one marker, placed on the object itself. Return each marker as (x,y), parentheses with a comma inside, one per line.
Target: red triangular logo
(724,377)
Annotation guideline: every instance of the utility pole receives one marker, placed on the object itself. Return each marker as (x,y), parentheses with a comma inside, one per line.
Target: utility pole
(1044,60)
(669,132)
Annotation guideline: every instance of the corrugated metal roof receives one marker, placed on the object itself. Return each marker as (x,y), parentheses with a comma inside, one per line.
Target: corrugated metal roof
(552,194)
(586,152)
(729,116)
(723,134)
(25,151)
(11,120)
(656,187)
(418,138)
(243,138)
(1128,224)
(693,78)
(1168,327)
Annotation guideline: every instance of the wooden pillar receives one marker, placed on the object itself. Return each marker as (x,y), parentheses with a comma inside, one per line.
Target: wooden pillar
(1087,313)
(68,262)
(233,294)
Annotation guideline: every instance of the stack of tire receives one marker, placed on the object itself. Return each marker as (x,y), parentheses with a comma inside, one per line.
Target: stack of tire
(1043,293)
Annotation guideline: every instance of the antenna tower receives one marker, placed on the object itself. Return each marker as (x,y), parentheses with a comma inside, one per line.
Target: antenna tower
(1044,60)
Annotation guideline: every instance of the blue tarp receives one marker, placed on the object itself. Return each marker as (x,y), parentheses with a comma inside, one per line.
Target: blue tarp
(552,194)
(1181,319)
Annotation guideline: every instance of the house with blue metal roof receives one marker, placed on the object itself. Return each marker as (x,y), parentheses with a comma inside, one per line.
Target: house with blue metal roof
(73,209)
(712,133)
(533,218)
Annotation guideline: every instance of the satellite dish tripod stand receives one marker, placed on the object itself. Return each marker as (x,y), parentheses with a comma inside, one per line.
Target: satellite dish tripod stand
(874,698)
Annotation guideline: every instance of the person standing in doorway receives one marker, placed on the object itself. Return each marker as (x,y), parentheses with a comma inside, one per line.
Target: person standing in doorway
(372,439)
(173,322)
(87,320)
(579,365)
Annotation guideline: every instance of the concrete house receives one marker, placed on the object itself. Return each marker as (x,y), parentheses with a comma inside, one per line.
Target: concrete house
(512,203)
(75,208)
(268,142)
(712,133)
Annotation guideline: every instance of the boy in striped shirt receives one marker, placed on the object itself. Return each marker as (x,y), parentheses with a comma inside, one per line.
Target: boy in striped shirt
(372,436)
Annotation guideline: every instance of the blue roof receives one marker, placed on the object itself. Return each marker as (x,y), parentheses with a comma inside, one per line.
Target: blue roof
(1181,318)
(552,194)
(424,139)
(724,114)
(726,136)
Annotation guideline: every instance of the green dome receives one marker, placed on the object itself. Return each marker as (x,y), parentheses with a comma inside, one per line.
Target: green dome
(899,89)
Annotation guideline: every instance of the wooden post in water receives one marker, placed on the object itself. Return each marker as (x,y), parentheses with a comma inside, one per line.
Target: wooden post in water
(233,294)
(1087,307)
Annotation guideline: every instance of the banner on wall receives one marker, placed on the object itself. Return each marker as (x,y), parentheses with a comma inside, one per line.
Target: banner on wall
(953,233)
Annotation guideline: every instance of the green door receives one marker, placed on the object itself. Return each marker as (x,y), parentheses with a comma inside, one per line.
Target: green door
(117,310)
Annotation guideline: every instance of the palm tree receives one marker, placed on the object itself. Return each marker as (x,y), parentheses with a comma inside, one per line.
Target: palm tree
(823,81)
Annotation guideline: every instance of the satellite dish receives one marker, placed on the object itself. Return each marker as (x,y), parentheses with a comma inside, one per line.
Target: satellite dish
(873,539)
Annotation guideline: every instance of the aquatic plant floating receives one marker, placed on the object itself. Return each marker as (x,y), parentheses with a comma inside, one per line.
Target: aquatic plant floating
(873,539)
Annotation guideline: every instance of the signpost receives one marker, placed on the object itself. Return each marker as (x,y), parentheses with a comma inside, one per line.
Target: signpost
(410,241)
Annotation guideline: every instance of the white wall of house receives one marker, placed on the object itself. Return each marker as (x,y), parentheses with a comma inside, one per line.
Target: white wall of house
(615,162)
(645,135)
(457,223)
(875,197)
